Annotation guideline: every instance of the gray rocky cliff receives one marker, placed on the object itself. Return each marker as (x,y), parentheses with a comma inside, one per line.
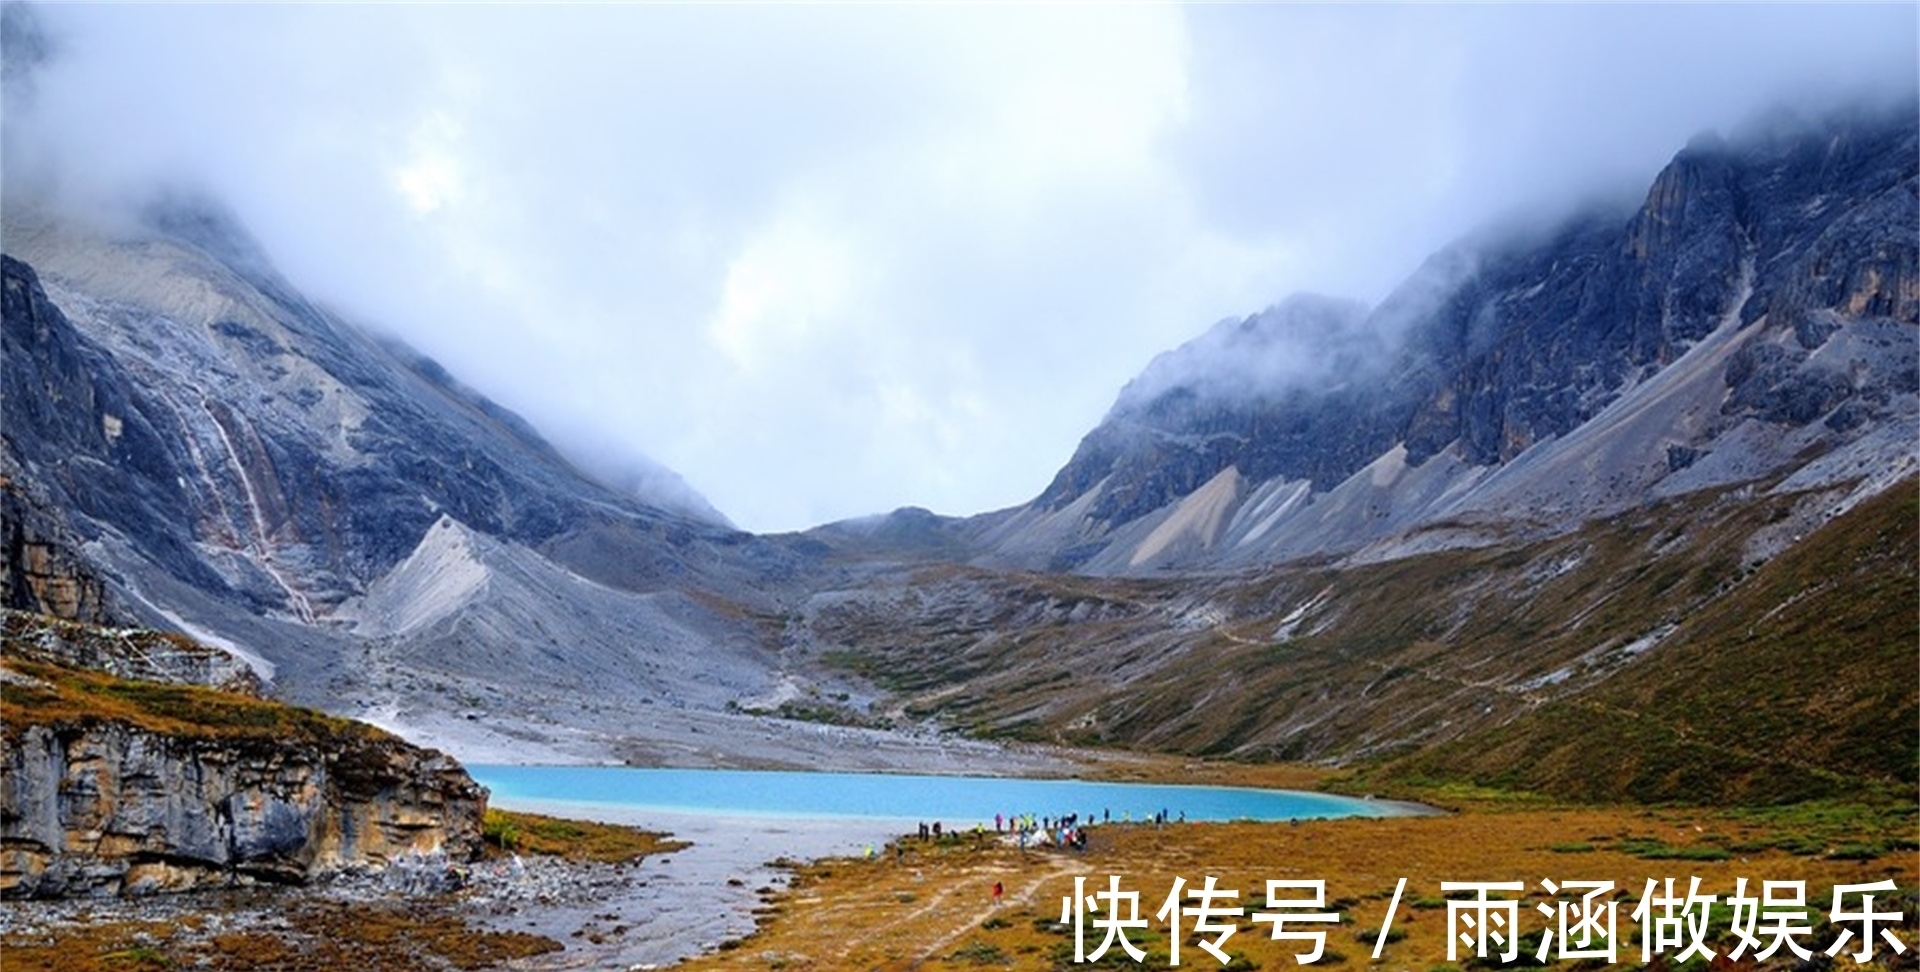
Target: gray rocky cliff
(113,808)
(118,786)
(241,465)
(40,569)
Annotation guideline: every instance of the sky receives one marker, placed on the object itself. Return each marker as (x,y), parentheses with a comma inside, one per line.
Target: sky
(829,260)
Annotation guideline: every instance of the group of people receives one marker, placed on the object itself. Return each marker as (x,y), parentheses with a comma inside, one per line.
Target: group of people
(1032,830)
(1065,837)
(1026,823)
(1042,831)
(1066,831)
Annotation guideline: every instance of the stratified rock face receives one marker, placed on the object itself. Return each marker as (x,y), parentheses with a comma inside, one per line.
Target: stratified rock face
(39,570)
(1756,313)
(93,807)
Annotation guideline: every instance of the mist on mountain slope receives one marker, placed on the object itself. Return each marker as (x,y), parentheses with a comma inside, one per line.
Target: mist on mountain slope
(1308,342)
(902,256)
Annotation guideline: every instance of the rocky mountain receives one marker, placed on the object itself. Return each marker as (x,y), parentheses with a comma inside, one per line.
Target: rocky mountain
(1754,316)
(243,465)
(229,460)
(1619,507)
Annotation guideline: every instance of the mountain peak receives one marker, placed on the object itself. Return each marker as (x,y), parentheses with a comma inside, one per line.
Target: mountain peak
(1476,373)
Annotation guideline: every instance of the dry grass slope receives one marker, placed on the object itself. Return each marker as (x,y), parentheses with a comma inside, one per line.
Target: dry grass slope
(1643,658)
(1799,683)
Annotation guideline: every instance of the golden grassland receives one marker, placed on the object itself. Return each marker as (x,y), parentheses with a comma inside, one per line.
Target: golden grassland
(928,905)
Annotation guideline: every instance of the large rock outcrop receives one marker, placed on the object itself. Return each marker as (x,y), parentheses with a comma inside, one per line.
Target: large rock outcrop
(132,653)
(117,786)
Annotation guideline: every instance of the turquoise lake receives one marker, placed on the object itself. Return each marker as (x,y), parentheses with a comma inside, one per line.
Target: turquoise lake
(957,801)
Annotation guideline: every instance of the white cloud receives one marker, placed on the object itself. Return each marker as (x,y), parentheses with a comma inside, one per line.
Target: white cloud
(790,288)
(431,176)
(829,260)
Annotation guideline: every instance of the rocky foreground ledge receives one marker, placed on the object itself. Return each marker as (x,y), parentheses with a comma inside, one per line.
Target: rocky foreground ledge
(114,785)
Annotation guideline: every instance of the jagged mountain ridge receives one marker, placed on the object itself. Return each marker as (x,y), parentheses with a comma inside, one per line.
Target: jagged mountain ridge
(1754,314)
(242,465)
(1625,512)
(235,394)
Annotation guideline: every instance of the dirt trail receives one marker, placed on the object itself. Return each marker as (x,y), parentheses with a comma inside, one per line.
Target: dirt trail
(1022,895)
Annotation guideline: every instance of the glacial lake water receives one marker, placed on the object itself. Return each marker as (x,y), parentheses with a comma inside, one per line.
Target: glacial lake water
(956,801)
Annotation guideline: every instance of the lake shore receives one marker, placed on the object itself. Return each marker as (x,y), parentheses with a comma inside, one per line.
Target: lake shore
(692,900)
(741,897)
(693,738)
(709,894)
(541,913)
(932,909)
